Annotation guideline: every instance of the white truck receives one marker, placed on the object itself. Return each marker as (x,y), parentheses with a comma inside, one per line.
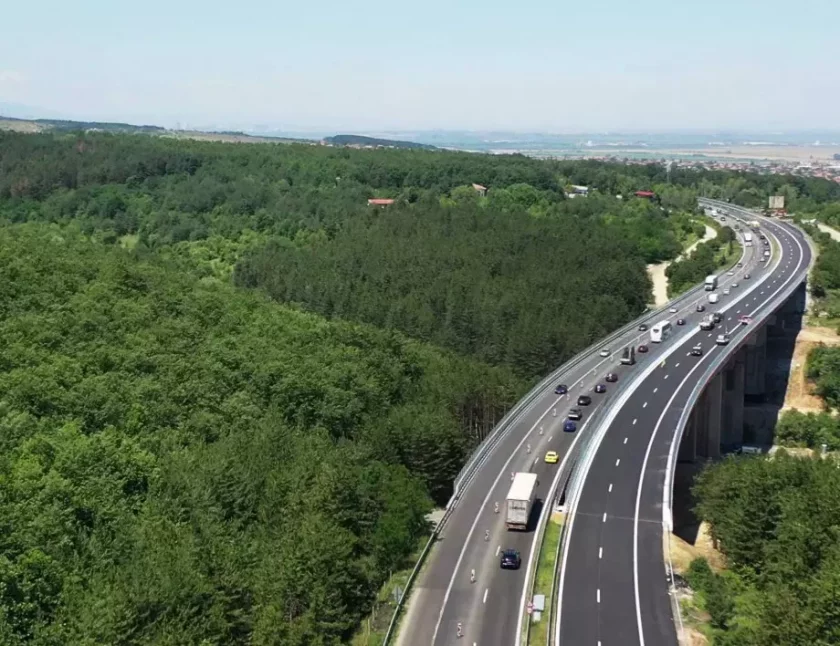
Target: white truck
(748,239)
(714,298)
(708,323)
(520,499)
(711,282)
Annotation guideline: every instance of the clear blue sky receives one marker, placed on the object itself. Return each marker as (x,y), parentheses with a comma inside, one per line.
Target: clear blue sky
(547,65)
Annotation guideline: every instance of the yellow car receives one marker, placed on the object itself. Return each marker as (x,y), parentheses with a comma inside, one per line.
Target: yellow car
(551,457)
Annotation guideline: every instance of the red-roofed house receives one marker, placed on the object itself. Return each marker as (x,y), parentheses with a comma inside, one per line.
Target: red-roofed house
(380,201)
(648,194)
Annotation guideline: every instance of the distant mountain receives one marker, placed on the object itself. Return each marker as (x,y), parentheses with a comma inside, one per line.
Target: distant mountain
(63,125)
(360,140)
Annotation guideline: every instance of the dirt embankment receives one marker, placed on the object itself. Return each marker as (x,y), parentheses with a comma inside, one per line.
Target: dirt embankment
(799,395)
(657,271)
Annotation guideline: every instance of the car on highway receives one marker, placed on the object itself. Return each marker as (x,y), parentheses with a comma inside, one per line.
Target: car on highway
(510,560)
(700,308)
(740,264)
(561,389)
(584,400)
(611,377)
(673,310)
(642,348)
(744,319)
(766,243)
(697,351)
(575,413)
(680,321)
(726,292)
(735,284)
(722,339)
(600,388)
(730,273)
(643,328)
(717,317)
(569,427)
(551,457)
(762,259)
(746,276)
(605,352)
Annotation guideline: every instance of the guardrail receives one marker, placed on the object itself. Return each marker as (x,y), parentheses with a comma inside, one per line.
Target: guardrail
(508,421)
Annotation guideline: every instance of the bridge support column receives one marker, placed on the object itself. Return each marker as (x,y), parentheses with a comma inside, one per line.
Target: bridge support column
(732,432)
(688,446)
(712,405)
(755,363)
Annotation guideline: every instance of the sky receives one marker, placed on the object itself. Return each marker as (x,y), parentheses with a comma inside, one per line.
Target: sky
(385,65)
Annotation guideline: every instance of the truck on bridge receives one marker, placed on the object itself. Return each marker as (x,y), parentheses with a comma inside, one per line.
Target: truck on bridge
(748,239)
(711,283)
(520,500)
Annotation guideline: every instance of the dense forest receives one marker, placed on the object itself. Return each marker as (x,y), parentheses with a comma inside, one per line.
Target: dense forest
(184,462)
(776,523)
(231,390)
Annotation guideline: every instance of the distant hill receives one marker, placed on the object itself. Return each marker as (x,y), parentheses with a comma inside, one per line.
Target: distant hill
(63,125)
(360,140)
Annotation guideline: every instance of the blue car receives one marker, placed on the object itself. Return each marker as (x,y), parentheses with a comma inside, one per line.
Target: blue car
(569,427)
(561,389)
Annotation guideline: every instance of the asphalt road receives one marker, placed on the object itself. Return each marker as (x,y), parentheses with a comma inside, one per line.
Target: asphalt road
(614,586)
(489,609)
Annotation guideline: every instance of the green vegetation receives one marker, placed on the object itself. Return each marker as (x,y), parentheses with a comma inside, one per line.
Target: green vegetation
(810,430)
(544,577)
(707,258)
(776,523)
(188,462)
(184,462)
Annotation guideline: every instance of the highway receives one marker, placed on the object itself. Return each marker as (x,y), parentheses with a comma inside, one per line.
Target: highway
(490,610)
(613,586)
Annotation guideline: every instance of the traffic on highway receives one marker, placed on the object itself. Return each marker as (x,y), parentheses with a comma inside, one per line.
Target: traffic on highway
(474,584)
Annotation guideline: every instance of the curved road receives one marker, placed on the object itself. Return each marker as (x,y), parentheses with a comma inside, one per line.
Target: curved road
(490,609)
(613,587)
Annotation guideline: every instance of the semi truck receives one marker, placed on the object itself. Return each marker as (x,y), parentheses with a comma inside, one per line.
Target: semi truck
(748,239)
(520,499)
(711,282)
(628,357)
(708,323)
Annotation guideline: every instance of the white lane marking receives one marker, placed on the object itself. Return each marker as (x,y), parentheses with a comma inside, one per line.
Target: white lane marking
(600,552)
(644,405)
(605,517)
(599,595)
(666,376)
(618,461)
(550,437)
(655,389)
(634,421)
(677,365)
(498,549)
(486,590)
(609,490)
(625,440)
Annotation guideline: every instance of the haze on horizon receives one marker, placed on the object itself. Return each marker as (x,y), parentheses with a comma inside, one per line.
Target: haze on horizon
(532,66)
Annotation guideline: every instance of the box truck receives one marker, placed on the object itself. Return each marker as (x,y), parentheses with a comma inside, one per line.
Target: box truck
(748,239)
(714,298)
(520,499)
(711,283)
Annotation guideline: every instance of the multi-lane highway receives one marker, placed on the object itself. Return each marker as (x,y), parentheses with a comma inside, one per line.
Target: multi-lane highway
(489,610)
(613,587)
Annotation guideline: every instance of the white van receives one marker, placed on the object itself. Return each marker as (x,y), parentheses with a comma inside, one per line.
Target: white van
(714,298)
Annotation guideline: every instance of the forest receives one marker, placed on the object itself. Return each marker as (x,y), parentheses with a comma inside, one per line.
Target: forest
(707,258)
(231,390)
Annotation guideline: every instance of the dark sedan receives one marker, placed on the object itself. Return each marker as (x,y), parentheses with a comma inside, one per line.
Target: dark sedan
(601,388)
(643,328)
(569,427)
(680,321)
(642,348)
(510,560)
(561,389)
(575,413)
(584,400)
(611,377)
